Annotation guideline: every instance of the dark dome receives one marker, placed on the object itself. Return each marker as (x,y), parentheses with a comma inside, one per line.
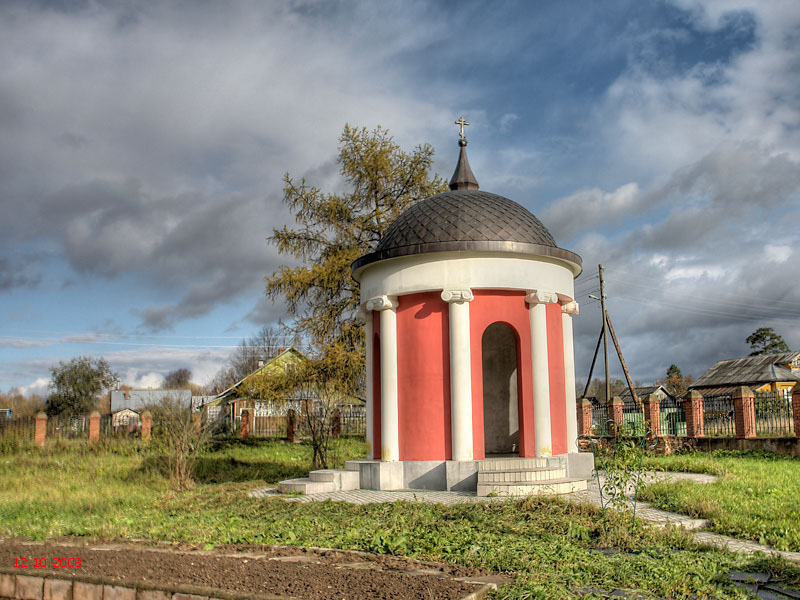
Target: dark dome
(463,220)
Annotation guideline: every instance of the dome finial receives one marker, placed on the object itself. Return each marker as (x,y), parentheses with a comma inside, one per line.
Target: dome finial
(463,179)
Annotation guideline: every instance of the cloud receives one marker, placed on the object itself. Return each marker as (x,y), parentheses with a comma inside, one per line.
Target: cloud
(143,381)
(697,260)
(694,267)
(18,274)
(17,342)
(506,121)
(592,208)
(658,122)
(40,386)
(177,180)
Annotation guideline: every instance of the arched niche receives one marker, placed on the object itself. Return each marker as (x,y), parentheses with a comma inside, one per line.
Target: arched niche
(500,389)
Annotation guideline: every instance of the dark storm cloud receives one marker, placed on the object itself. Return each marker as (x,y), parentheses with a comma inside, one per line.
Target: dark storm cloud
(206,249)
(19,273)
(702,260)
(149,141)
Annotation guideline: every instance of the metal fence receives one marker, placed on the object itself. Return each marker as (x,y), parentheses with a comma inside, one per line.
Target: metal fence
(113,425)
(774,413)
(633,421)
(19,427)
(672,418)
(67,427)
(600,417)
(718,416)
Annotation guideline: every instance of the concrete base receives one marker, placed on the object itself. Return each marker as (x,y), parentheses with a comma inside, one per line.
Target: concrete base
(450,475)
(500,471)
(457,476)
(580,465)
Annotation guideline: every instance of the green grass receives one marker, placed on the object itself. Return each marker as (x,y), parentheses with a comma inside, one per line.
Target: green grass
(757,496)
(550,545)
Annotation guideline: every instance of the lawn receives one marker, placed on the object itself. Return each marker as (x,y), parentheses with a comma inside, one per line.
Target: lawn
(757,496)
(554,547)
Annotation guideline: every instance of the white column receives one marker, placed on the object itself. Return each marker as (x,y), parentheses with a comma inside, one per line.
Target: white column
(460,373)
(568,309)
(538,300)
(365,316)
(390,439)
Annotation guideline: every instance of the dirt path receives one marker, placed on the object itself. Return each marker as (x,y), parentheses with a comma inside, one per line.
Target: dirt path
(281,571)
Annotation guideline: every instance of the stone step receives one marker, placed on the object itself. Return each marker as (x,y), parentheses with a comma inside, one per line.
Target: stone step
(542,474)
(525,488)
(354,465)
(505,464)
(342,479)
(304,485)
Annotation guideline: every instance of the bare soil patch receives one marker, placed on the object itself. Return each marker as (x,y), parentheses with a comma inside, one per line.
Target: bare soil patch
(307,573)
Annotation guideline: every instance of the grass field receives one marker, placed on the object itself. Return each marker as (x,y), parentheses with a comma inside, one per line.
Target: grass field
(757,496)
(553,546)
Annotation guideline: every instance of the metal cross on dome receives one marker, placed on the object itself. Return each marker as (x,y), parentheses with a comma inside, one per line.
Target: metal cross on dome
(462,122)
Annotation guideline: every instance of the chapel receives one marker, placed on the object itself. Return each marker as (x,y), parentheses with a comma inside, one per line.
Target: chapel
(467,303)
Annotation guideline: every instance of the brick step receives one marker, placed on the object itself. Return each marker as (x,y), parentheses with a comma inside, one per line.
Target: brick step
(505,464)
(304,485)
(542,474)
(342,479)
(525,488)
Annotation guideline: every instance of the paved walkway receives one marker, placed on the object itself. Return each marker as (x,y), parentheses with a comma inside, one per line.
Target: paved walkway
(643,510)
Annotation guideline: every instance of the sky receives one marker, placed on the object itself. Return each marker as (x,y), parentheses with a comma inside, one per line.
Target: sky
(143,145)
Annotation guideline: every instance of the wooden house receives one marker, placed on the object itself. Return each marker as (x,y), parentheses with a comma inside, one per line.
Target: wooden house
(764,373)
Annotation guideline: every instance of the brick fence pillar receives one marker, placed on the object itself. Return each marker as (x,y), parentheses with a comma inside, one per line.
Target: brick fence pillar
(244,427)
(147,422)
(585,417)
(693,407)
(744,412)
(336,425)
(616,414)
(652,413)
(291,425)
(94,426)
(40,430)
(796,409)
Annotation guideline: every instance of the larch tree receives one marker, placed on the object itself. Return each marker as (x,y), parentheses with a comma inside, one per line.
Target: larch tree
(334,229)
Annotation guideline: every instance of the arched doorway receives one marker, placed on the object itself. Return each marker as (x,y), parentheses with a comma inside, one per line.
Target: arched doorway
(500,390)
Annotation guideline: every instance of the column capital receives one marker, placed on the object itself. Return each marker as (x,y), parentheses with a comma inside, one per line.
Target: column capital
(541,297)
(464,295)
(570,308)
(382,303)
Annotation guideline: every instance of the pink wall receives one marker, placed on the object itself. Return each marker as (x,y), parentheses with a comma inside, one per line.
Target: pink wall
(509,307)
(423,373)
(423,377)
(556,373)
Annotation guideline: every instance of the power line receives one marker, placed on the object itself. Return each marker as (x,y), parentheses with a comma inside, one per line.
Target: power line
(700,311)
(659,284)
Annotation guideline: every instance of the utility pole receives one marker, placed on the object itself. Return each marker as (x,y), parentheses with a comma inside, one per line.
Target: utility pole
(605,330)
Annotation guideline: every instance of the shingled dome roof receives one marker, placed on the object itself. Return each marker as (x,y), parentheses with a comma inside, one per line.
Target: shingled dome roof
(464,220)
